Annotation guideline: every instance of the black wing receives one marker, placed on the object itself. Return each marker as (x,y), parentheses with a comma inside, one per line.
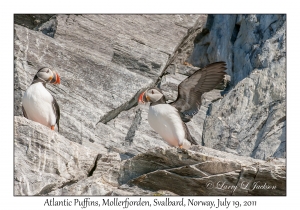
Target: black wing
(188,101)
(24,112)
(56,112)
(188,136)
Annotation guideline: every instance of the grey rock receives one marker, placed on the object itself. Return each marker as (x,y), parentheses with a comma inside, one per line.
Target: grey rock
(215,42)
(185,49)
(31,21)
(48,28)
(251,119)
(261,48)
(238,40)
(204,171)
(105,181)
(137,135)
(46,161)
(102,180)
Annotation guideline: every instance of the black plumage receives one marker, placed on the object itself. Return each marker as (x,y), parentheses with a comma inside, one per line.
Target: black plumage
(190,90)
(56,111)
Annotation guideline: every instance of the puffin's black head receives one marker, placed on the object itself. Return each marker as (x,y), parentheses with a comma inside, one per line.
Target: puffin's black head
(46,75)
(151,95)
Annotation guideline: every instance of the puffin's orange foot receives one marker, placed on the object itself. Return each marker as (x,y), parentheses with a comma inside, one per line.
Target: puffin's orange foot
(179,149)
(52,127)
(187,64)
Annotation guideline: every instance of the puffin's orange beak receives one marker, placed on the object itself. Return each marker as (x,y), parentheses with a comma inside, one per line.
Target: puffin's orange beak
(141,98)
(57,79)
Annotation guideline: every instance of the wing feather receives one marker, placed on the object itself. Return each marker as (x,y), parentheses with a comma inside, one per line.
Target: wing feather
(56,112)
(190,90)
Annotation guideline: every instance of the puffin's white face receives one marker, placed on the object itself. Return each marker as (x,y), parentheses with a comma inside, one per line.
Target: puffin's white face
(151,95)
(48,75)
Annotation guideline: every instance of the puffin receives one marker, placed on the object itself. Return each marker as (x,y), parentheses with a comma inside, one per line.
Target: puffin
(37,103)
(168,119)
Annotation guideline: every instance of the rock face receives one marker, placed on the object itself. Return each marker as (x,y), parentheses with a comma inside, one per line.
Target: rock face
(251,119)
(32,21)
(204,171)
(45,160)
(47,163)
(106,146)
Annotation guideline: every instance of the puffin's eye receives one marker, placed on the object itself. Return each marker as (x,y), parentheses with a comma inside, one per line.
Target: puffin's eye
(47,71)
(152,92)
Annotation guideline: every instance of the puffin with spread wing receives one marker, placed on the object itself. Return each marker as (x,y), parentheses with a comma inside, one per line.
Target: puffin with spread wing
(168,120)
(37,103)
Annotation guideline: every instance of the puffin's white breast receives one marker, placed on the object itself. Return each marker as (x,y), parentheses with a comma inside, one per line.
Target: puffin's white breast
(165,120)
(37,102)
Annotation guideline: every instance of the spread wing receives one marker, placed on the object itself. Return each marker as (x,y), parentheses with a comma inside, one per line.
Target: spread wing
(24,112)
(188,101)
(56,111)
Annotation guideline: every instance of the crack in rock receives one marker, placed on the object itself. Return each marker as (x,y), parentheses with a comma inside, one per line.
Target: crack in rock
(95,165)
(134,126)
(133,101)
(124,107)
(47,189)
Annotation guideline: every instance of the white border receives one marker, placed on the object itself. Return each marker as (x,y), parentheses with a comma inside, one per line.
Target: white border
(8,201)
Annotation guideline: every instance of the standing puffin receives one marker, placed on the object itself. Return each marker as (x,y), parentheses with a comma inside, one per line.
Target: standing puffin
(168,120)
(38,104)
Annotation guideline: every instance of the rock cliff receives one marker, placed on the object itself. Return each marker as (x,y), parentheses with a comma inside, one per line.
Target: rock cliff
(105,145)
(251,118)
